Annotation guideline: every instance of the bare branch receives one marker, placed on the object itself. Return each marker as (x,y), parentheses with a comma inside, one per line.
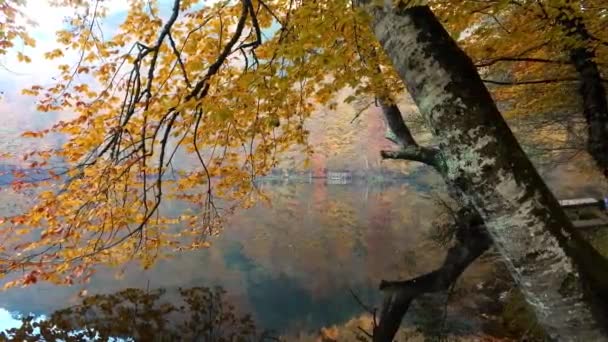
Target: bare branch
(546,81)
(472,241)
(489,62)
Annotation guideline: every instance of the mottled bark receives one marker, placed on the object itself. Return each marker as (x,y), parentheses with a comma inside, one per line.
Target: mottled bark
(483,162)
(591,88)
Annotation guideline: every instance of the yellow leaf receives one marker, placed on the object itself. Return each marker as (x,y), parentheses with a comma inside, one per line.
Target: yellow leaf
(23,58)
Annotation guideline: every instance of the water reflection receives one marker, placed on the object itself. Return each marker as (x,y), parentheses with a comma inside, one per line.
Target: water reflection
(292,264)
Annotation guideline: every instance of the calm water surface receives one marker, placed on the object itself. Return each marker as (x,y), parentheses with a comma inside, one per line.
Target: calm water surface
(291,265)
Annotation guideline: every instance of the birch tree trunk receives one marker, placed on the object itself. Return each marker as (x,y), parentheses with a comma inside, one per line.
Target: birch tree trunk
(561,275)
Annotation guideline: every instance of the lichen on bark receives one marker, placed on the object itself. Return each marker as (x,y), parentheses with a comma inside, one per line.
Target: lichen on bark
(485,165)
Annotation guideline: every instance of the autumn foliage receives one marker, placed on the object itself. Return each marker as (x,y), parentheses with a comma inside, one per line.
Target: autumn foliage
(227,87)
(230,85)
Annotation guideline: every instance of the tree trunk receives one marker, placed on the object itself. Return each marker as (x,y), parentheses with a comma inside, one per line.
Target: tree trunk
(591,89)
(595,107)
(560,274)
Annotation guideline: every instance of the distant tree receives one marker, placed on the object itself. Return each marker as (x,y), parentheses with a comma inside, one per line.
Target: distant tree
(544,61)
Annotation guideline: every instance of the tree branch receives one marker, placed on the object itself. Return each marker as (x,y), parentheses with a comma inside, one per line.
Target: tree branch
(547,81)
(489,62)
(472,241)
(397,125)
(414,153)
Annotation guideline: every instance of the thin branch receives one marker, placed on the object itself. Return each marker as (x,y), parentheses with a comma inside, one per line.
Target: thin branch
(367,308)
(546,81)
(493,61)
(179,60)
(271,13)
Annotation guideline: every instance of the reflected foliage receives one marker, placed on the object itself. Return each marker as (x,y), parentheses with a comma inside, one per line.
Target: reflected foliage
(199,314)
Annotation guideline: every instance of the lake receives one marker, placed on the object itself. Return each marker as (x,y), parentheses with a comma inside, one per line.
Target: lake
(293,265)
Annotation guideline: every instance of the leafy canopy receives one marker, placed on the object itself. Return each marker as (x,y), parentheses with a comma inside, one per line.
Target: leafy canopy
(523,48)
(228,85)
(191,102)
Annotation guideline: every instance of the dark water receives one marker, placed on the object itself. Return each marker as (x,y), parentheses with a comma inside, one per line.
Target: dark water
(291,265)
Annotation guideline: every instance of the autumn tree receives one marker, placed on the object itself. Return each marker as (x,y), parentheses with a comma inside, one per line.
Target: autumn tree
(512,26)
(544,61)
(114,169)
(498,180)
(148,97)
(510,29)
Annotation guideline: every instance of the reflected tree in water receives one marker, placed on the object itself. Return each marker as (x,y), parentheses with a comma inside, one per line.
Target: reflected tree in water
(199,314)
